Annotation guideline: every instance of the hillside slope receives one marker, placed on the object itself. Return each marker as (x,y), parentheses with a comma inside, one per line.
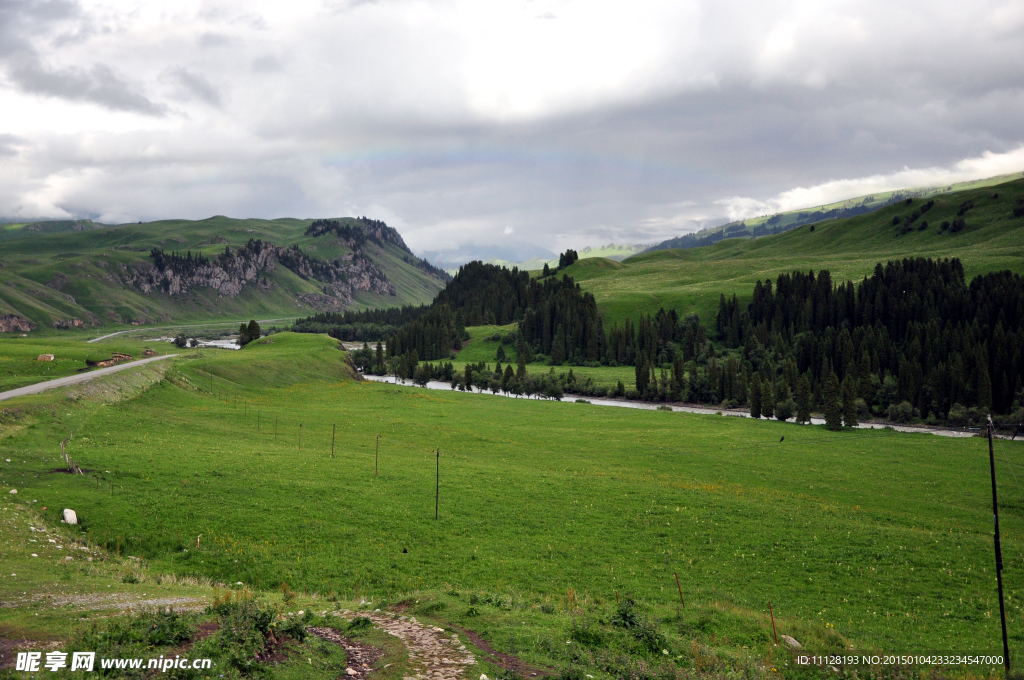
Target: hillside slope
(776,223)
(67,274)
(692,280)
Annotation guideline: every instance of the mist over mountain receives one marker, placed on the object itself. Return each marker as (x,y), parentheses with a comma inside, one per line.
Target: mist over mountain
(510,252)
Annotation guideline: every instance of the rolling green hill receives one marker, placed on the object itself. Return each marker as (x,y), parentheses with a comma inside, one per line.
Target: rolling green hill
(56,272)
(692,280)
(850,207)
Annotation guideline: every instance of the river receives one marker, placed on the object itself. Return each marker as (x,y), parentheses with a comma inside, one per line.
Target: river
(702,410)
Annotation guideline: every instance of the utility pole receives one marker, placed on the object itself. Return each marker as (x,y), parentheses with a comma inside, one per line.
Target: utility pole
(437,489)
(999,550)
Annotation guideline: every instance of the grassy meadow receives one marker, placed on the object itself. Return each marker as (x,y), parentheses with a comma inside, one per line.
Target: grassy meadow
(877,539)
(691,281)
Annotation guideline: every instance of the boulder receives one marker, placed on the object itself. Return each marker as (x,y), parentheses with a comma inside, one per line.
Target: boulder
(791,642)
(70,517)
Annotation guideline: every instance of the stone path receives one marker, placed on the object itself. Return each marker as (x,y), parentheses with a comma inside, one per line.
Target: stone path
(434,653)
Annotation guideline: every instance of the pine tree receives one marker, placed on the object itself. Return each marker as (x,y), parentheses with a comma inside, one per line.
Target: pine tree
(378,359)
(507,378)
(803,400)
(830,401)
(643,373)
(254,331)
(500,356)
(849,402)
(767,399)
(755,397)
(558,347)
(521,368)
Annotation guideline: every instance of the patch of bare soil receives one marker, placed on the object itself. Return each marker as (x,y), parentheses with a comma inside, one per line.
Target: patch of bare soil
(9,648)
(361,657)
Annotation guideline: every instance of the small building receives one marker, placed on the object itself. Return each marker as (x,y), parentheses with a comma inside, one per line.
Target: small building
(45,357)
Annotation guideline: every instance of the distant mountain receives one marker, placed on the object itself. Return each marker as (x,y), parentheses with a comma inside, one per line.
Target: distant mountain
(612,251)
(74,273)
(777,223)
(451,260)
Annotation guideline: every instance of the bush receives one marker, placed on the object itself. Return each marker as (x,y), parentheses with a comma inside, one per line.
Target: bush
(958,225)
(923,225)
(902,412)
(785,410)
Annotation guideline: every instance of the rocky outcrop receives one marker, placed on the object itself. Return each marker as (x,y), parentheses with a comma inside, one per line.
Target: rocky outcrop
(231,271)
(12,323)
(69,323)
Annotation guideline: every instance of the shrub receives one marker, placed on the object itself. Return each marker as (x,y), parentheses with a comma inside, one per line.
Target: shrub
(944,226)
(902,412)
(923,225)
(785,410)
(896,220)
(360,623)
(958,225)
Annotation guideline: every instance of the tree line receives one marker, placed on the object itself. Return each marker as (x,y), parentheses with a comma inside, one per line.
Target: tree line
(913,340)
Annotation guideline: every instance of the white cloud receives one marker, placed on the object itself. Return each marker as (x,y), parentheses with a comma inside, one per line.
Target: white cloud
(986,165)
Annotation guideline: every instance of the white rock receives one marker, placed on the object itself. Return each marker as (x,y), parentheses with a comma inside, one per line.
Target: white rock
(70,517)
(791,642)
(13,491)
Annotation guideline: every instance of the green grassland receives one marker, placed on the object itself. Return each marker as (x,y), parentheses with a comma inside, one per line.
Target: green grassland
(19,365)
(872,538)
(89,259)
(481,347)
(692,280)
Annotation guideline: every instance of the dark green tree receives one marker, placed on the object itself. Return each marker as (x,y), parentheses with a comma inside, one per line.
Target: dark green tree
(755,396)
(849,390)
(643,374)
(803,400)
(500,355)
(254,331)
(830,403)
(767,399)
(558,347)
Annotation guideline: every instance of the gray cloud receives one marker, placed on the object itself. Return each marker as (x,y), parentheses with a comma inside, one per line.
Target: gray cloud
(196,85)
(581,131)
(9,144)
(98,85)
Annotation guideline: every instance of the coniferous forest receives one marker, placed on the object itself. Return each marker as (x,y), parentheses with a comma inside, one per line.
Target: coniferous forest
(915,340)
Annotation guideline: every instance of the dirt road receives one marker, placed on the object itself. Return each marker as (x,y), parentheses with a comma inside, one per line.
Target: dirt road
(74,379)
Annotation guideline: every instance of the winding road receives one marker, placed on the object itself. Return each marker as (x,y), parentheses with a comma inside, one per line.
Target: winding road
(74,379)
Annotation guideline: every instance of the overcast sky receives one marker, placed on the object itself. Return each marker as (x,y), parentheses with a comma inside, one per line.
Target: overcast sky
(554,123)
